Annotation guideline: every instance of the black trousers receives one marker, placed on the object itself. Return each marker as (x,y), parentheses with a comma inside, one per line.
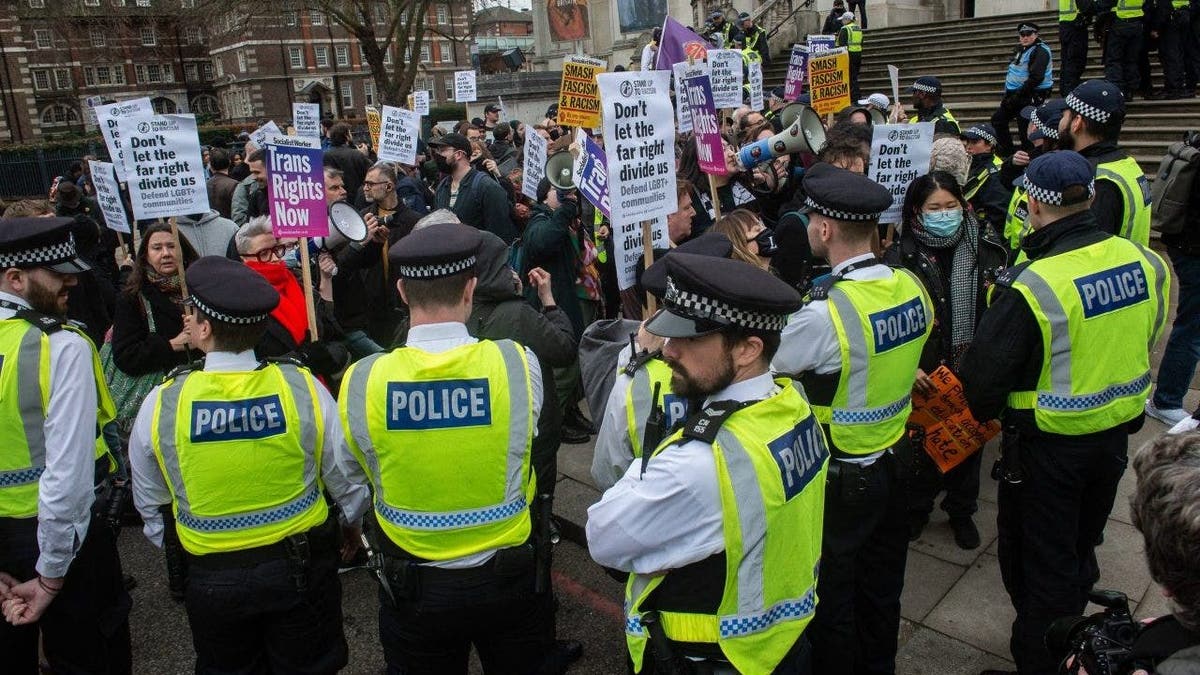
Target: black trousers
(863,556)
(254,619)
(1121,55)
(1073,40)
(1009,110)
(855,66)
(510,626)
(861,7)
(960,483)
(85,630)
(798,661)
(1177,51)
(1050,525)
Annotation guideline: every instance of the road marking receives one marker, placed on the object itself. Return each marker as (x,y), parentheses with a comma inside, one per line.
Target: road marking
(602,605)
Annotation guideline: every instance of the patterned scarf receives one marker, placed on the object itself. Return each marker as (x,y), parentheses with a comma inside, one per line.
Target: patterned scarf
(168,285)
(964,279)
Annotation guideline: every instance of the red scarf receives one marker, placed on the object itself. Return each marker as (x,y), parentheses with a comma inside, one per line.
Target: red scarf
(291,311)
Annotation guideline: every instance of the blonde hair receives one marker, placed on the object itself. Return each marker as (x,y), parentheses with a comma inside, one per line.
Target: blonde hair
(735,225)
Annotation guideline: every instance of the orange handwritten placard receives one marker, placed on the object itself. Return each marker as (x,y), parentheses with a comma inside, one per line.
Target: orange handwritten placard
(951,433)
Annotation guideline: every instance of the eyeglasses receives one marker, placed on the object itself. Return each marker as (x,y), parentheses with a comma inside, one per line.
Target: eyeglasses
(371,184)
(273,252)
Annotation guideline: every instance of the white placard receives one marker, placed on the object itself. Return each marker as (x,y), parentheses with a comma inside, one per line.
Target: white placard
(503,110)
(755,78)
(398,135)
(260,135)
(899,154)
(683,117)
(725,74)
(108,195)
(168,175)
(110,117)
(894,74)
(90,103)
(306,117)
(639,140)
(535,163)
(629,244)
(294,142)
(421,102)
(464,86)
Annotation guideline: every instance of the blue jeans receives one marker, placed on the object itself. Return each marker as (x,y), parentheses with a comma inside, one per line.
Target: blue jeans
(1183,347)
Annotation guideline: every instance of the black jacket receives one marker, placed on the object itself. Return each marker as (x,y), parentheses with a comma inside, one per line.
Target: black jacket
(833,22)
(990,201)
(137,351)
(362,298)
(351,162)
(481,203)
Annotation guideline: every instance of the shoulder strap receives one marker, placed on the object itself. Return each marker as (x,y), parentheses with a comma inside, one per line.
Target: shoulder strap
(704,425)
(1009,275)
(820,289)
(637,361)
(283,360)
(43,322)
(184,369)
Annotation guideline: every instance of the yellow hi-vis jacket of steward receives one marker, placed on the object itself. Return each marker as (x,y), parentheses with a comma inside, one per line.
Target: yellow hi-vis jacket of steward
(24,401)
(771,460)
(446,441)
(241,452)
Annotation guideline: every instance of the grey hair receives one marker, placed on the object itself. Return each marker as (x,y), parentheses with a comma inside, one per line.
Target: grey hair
(1166,509)
(331,172)
(254,227)
(437,218)
(386,168)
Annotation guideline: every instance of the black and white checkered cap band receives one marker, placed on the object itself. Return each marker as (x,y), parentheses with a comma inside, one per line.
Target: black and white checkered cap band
(45,255)
(1047,130)
(222,316)
(716,310)
(438,270)
(1052,197)
(1087,109)
(840,215)
(927,88)
(982,133)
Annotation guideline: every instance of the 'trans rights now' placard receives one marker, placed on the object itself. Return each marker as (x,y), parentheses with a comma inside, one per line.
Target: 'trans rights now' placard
(297,187)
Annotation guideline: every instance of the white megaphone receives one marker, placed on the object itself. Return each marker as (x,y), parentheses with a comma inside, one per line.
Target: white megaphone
(560,170)
(345,226)
(804,135)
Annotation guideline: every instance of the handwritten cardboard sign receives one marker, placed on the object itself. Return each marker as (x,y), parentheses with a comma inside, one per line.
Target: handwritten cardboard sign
(951,433)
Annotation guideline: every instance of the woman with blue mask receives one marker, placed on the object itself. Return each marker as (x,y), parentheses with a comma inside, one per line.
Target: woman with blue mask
(956,258)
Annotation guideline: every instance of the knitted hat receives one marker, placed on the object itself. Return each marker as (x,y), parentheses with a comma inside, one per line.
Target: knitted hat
(949,155)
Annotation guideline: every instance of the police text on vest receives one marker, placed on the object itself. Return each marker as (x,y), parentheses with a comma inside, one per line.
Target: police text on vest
(799,454)
(899,325)
(1112,289)
(249,418)
(438,404)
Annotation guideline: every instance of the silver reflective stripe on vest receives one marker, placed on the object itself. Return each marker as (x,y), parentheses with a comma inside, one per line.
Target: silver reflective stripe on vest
(641,394)
(33,416)
(356,408)
(1161,270)
(518,420)
(1060,330)
(856,385)
(1126,194)
(167,428)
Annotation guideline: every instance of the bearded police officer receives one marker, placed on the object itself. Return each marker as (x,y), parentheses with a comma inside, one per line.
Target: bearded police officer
(443,429)
(720,530)
(856,347)
(59,572)
(1091,126)
(1062,354)
(927,105)
(234,460)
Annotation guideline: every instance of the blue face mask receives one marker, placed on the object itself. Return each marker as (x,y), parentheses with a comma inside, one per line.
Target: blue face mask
(942,223)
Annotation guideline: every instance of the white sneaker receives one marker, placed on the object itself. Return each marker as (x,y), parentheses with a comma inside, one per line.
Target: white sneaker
(1168,416)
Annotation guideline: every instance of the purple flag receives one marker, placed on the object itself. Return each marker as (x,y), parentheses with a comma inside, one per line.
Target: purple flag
(677,44)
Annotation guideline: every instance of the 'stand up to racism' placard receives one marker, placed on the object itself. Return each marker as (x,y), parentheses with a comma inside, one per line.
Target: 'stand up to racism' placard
(899,153)
(297,187)
(168,172)
(639,139)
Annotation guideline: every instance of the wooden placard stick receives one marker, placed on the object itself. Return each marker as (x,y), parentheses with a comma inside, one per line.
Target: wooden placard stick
(647,261)
(306,277)
(179,247)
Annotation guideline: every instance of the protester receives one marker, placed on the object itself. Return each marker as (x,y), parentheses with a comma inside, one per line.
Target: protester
(753,242)
(208,233)
(221,185)
(250,196)
(343,156)
(476,198)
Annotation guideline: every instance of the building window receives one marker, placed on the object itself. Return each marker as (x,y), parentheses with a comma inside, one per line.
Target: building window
(446,47)
(220,67)
(164,106)
(205,104)
(149,37)
(187,4)
(91,3)
(347,95)
(316,18)
(296,57)
(289,17)
(143,3)
(42,38)
(97,36)
(191,72)
(425,53)
(59,115)
(153,73)
(62,78)
(118,3)
(387,56)
(96,76)
(193,35)
(241,57)
(41,80)
(342,53)
(368,92)
(322,56)
(443,14)
(37,4)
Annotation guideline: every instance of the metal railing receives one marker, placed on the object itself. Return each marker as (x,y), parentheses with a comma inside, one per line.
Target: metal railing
(29,174)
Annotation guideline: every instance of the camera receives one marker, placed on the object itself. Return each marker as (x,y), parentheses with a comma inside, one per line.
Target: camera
(1101,643)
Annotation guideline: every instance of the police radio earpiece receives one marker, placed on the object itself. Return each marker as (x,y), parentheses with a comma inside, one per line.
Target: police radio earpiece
(804,134)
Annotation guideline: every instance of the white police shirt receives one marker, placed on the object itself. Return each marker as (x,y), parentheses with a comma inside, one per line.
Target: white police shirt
(671,516)
(66,488)
(613,453)
(809,342)
(150,489)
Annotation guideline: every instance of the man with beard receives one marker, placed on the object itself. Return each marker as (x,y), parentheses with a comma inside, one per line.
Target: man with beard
(927,104)
(475,197)
(720,529)
(856,347)
(1091,126)
(60,577)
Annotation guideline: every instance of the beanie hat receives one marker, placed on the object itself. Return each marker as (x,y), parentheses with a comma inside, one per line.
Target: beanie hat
(949,155)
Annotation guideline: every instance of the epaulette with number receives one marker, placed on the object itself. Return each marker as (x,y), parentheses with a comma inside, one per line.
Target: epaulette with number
(1010,274)
(704,425)
(43,322)
(640,359)
(283,360)
(820,288)
(184,369)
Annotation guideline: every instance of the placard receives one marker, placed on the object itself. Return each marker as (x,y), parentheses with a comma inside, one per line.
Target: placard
(725,77)
(820,43)
(535,163)
(374,125)
(952,433)
(894,75)
(592,175)
(90,103)
(398,135)
(706,126)
(829,80)
(296,192)
(306,117)
(260,135)
(639,139)
(110,117)
(683,118)
(108,195)
(628,245)
(899,154)
(755,77)
(578,96)
(793,85)
(168,171)
(464,86)
(421,102)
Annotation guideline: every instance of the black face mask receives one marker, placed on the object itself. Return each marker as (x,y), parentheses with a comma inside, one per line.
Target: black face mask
(766,243)
(443,164)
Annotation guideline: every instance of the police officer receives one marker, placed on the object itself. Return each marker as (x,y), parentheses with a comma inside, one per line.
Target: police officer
(721,532)
(859,375)
(927,103)
(1091,126)
(754,38)
(1177,47)
(641,409)
(1043,134)
(60,577)
(1084,297)
(1030,76)
(443,428)
(1073,41)
(1123,43)
(721,31)
(984,190)
(851,37)
(775,105)
(232,460)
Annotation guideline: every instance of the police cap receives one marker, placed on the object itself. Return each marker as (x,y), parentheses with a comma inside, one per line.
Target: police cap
(1047,116)
(927,84)
(228,291)
(844,195)
(980,132)
(705,294)
(744,16)
(878,101)
(1027,27)
(27,243)
(712,244)
(1049,176)
(439,250)
(1097,100)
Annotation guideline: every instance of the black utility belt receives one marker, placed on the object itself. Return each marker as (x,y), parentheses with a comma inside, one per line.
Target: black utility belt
(323,537)
(506,562)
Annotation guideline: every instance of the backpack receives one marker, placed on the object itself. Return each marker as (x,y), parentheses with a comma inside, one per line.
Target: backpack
(1174,185)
